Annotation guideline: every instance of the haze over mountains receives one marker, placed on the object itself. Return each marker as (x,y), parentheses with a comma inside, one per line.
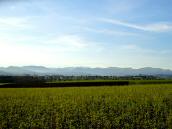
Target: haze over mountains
(110,71)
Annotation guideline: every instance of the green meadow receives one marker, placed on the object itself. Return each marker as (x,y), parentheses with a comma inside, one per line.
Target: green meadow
(108,107)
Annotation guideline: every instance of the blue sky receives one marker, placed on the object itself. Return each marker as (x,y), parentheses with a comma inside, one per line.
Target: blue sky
(94,33)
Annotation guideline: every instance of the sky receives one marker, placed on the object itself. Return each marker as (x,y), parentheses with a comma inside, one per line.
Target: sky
(88,33)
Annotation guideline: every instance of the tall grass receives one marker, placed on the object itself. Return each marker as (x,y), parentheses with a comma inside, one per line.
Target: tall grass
(137,106)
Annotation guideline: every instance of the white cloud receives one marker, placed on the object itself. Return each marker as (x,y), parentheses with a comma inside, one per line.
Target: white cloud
(122,6)
(68,41)
(129,47)
(12,53)
(138,49)
(110,32)
(133,48)
(66,50)
(14,23)
(158,27)
(155,27)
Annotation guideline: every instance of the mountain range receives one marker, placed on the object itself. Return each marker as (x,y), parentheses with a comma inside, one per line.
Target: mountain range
(110,71)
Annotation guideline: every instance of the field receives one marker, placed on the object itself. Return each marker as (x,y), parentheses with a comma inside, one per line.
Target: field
(135,106)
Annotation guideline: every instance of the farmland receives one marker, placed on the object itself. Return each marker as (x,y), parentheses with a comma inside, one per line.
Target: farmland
(133,106)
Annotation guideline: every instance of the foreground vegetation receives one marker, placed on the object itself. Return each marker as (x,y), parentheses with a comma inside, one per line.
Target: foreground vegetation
(137,106)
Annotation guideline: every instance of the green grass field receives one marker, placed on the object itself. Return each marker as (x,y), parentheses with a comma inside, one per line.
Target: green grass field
(137,106)
(130,81)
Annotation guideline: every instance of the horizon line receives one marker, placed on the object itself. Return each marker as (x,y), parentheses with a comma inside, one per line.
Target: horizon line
(83,67)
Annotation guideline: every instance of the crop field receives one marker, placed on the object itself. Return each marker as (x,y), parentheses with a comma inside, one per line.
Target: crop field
(135,106)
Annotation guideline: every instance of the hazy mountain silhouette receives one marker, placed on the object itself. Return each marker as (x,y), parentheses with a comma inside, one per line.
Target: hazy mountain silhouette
(110,71)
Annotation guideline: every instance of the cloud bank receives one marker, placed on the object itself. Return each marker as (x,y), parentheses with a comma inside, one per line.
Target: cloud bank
(154,27)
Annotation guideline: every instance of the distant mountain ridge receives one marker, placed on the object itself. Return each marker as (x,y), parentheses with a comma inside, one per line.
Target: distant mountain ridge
(110,71)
